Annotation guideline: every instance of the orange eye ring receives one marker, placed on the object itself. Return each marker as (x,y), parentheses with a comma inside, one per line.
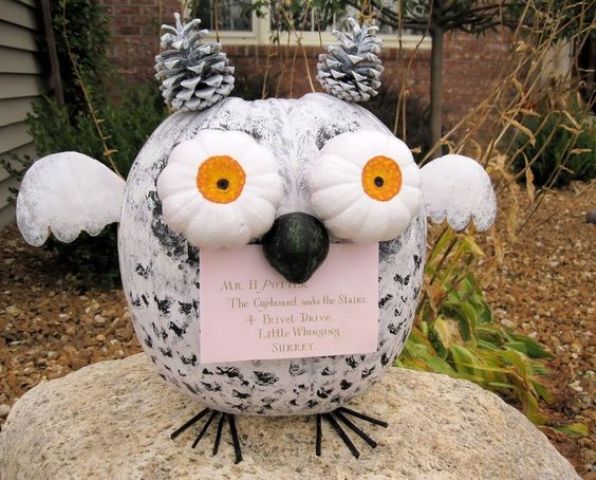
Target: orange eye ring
(220,179)
(381,178)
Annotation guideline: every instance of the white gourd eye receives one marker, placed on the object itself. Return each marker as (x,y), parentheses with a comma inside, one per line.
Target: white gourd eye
(220,189)
(365,186)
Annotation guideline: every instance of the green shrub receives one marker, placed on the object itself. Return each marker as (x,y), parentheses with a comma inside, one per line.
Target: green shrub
(455,333)
(87,26)
(128,123)
(557,148)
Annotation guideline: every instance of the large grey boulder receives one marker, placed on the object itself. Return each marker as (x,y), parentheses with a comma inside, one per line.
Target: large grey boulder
(112,420)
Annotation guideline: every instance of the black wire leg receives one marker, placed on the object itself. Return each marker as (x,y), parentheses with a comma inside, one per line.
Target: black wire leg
(339,417)
(231,420)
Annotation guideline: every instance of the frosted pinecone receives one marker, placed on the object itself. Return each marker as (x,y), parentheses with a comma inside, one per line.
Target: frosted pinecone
(351,68)
(193,75)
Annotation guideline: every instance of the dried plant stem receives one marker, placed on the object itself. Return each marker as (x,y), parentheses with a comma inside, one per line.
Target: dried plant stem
(299,44)
(97,121)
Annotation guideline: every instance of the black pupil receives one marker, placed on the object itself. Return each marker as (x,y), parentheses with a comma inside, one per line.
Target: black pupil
(379,182)
(223,183)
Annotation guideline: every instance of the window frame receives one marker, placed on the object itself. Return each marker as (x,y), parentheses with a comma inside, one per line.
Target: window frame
(260,35)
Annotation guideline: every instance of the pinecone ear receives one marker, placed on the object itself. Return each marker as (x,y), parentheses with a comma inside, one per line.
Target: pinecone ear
(194,75)
(351,68)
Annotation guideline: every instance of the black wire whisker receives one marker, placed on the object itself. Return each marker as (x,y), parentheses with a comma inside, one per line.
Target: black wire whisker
(222,419)
(188,424)
(352,426)
(220,425)
(342,434)
(235,440)
(204,429)
(319,436)
(366,418)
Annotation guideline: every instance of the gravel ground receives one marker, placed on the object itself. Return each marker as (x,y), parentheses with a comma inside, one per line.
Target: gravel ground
(546,287)
(51,325)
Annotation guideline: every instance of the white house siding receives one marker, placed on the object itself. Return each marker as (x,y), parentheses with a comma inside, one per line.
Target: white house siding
(21,81)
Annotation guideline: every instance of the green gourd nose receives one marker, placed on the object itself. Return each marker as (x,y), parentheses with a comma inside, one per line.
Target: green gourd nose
(296,245)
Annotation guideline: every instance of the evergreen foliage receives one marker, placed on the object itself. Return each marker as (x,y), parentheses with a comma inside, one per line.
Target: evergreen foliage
(557,146)
(81,33)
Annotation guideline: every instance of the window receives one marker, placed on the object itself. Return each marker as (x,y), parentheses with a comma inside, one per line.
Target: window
(229,15)
(587,71)
(237,22)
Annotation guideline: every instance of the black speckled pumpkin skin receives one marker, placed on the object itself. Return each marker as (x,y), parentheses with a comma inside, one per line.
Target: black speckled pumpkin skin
(160,269)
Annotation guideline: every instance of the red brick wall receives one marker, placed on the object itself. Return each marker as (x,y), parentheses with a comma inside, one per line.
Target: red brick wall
(135,29)
(471,63)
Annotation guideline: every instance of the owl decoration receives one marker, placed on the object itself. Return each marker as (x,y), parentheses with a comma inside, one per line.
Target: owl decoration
(291,176)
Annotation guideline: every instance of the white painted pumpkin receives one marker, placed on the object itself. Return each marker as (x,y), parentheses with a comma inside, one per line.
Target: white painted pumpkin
(365,186)
(300,147)
(160,268)
(240,208)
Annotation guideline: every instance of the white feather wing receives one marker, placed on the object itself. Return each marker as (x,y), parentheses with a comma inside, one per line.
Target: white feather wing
(458,189)
(66,193)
